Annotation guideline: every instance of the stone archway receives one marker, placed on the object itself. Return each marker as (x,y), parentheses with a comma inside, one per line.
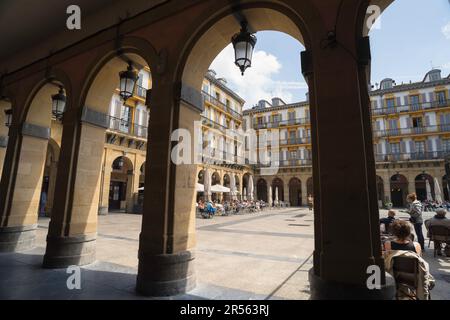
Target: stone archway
(399,190)
(121,182)
(295,192)
(262,190)
(423,182)
(278,189)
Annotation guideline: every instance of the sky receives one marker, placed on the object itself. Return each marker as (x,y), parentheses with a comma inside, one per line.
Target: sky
(413,36)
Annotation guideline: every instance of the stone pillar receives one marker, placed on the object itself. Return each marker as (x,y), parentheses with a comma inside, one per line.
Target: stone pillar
(73,227)
(168,227)
(103,207)
(344,180)
(304,191)
(21,185)
(387,188)
(286,191)
(132,189)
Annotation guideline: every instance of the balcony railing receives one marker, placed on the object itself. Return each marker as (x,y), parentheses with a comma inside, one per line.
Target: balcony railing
(278,124)
(127,127)
(416,156)
(411,108)
(295,141)
(411,131)
(141,92)
(214,101)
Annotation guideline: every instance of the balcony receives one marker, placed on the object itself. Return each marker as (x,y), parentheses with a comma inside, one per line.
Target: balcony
(214,101)
(416,156)
(416,107)
(127,127)
(295,141)
(411,131)
(284,123)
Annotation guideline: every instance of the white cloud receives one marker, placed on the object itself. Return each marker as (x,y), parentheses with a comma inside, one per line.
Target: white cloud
(446,66)
(258,82)
(446,30)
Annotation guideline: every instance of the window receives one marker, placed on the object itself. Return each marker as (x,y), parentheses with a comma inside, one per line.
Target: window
(415,102)
(417,122)
(441,98)
(446,145)
(217,96)
(435,76)
(390,103)
(395,148)
(420,147)
(205,88)
(125,119)
(260,121)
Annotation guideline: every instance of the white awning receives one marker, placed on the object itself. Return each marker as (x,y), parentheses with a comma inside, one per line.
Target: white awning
(200,187)
(220,189)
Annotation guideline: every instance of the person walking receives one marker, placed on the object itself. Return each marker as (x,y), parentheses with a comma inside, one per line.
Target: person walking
(310,202)
(415,211)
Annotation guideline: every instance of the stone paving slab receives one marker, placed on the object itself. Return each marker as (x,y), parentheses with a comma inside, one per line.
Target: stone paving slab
(264,256)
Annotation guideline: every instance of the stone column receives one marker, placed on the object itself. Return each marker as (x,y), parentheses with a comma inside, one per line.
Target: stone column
(344,179)
(73,227)
(132,189)
(103,206)
(304,191)
(20,187)
(168,227)
(286,191)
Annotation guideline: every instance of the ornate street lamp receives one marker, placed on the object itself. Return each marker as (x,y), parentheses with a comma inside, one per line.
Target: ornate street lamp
(128,81)
(59,103)
(244,43)
(8,117)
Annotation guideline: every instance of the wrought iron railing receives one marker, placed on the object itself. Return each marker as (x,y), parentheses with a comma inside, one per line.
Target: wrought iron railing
(411,131)
(221,105)
(425,106)
(127,127)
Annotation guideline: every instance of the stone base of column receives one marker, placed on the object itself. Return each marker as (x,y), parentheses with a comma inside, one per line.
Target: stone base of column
(16,239)
(325,290)
(166,275)
(63,252)
(103,211)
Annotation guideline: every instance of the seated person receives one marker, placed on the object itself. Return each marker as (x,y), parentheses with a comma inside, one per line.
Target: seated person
(210,208)
(387,222)
(439,220)
(402,231)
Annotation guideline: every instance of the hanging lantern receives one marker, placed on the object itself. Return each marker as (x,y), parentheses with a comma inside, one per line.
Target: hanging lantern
(128,81)
(8,117)
(59,103)
(244,43)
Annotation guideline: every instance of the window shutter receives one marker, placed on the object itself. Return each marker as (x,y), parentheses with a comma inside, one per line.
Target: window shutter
(118,110)
(410,122)
(429,146)
(406,100)
(399,101)
(403,147)
(427,121)
(379,149)
(424,98)
(412,147)
(388,148)
(438,144)
(378,126)
(431,96)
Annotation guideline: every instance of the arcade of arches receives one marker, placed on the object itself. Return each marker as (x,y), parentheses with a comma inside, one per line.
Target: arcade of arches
(177,41)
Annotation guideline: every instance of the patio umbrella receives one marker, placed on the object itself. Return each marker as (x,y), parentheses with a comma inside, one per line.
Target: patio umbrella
(437,191)
(276,196)
(250,188)
(270,196)
(429,195)
(244,196)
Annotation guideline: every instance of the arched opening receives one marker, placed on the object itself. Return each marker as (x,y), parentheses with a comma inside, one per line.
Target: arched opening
(49,180)
(399,190)
(278,190)
(34,182)
(380,191)
(238,187)
(425,187)
(295,192)
(215,180)
(120,189)
(445,188)
(261,190)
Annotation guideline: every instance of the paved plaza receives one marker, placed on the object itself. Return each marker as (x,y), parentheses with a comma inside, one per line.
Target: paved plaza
(256,256)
